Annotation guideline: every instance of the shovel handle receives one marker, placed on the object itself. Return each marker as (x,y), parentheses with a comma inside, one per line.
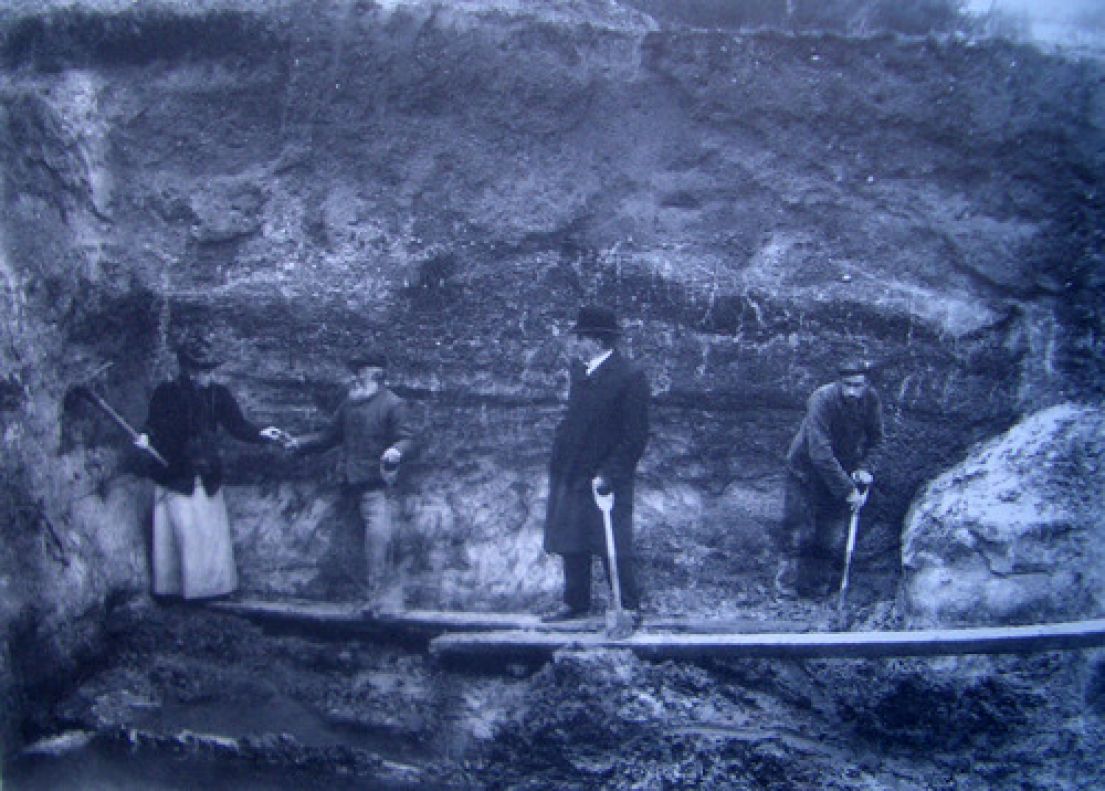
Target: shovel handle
(605,503)
(864,490)
(850,543)
(604,500)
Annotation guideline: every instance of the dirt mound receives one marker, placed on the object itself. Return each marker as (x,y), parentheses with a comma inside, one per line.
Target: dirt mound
(610,721)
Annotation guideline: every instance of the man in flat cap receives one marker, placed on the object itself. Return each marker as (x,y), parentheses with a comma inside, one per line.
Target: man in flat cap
(374,429)
(598,443)
(828,465)
(193,556)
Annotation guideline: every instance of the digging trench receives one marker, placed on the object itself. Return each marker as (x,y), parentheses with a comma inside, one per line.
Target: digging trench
(757,189)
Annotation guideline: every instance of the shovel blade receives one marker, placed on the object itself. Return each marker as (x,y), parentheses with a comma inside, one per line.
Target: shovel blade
(619,624)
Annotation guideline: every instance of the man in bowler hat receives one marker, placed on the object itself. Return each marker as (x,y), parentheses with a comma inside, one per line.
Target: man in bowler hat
(598,444)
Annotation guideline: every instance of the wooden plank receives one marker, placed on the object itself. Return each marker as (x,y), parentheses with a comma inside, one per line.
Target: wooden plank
(351,617)
(523,635)
(529,645)
(298,610)
(347,616)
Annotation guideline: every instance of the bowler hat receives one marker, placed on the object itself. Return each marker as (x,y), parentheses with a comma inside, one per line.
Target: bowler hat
(596,320)
(367,359)
(194,351)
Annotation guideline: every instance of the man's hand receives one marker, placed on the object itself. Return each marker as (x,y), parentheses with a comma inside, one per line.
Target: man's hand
(389,465)
(142,442)
(856,499)
(863,478)
(286,440)
(601,485)
(273,434)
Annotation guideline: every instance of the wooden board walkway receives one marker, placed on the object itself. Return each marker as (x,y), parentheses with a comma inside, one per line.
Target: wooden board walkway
(655,644)
(522,636)
(350,618)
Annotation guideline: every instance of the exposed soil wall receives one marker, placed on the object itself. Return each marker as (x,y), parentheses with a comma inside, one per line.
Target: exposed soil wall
(451,181)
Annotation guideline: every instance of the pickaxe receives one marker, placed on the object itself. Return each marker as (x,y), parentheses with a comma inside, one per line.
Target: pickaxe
(85,391)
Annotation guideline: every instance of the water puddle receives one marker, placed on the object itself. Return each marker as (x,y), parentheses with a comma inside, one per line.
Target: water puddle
(106,768)
(277,715)
(262,741)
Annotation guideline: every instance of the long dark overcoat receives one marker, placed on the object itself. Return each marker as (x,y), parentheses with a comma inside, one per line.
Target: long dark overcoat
(604,431)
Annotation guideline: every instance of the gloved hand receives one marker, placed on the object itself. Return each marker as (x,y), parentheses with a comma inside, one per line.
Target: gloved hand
(391,458)
(863,478)
(274,434)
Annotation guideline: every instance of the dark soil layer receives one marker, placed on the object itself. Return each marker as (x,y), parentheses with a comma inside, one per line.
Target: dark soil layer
(188,690)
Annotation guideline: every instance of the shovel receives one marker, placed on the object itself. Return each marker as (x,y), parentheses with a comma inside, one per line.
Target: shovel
(849,550)
(619,624)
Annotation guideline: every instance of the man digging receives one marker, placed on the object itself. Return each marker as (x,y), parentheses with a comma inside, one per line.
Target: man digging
(828,471)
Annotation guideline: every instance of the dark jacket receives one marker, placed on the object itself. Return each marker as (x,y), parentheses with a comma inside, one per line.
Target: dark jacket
(604,431)
(837,437)
(365,429)
(182,425)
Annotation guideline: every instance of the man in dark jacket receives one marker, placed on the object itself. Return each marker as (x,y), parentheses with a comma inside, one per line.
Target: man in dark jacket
(192,552)
(827,465)
(598,443)
(373,427)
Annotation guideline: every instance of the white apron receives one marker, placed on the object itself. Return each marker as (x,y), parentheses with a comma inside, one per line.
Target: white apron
(193,556)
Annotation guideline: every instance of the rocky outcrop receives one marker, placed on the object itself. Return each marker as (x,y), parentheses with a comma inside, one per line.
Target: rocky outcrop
(1015,532)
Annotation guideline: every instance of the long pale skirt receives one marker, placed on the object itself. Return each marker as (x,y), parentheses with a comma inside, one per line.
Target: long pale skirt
(193,555)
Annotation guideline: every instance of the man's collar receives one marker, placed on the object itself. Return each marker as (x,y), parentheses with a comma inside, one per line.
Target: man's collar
(357,398)
(597,361)
(187,380)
